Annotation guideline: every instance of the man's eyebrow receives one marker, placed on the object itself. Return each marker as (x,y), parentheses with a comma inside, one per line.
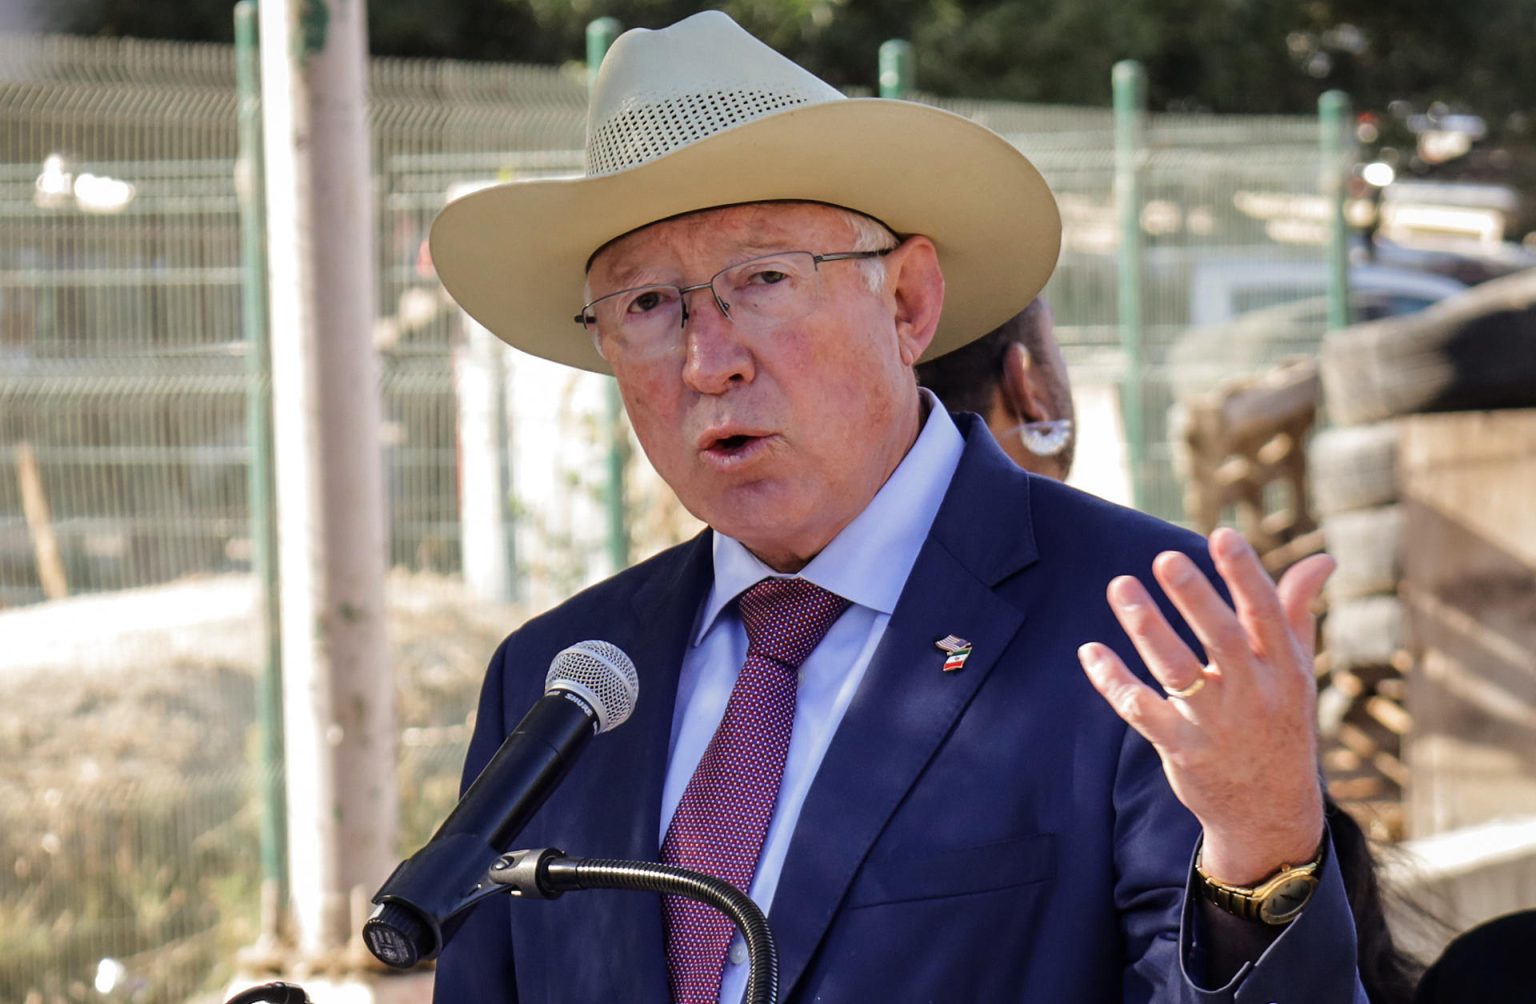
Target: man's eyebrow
(628,276)
(752,249)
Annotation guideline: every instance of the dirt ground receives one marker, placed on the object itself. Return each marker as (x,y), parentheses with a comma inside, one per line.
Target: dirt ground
(127,736)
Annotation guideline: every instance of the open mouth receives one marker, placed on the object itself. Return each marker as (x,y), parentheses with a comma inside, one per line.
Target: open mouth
(732,451)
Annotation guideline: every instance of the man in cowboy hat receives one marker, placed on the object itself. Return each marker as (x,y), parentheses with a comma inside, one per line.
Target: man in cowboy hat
(861,694)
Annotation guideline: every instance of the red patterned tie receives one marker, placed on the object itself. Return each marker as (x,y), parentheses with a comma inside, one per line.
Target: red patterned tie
(720,823)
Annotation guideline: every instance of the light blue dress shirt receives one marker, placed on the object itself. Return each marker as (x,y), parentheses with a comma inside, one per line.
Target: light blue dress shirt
(866,564)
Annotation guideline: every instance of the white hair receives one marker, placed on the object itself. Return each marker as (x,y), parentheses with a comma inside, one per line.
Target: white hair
(869,234)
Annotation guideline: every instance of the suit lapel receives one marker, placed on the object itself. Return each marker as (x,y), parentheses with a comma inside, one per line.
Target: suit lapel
(906,703)
(618,815)
(664,611)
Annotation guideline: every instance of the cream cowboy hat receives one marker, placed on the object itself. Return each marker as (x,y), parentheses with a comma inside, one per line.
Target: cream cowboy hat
(702,114)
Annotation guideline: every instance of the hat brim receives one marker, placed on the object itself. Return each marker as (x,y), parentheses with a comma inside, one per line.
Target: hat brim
(514,255)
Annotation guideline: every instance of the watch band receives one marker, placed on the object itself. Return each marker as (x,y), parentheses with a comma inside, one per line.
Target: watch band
(1277,900)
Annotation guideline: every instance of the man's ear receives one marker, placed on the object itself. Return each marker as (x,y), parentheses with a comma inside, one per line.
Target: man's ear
(916,285)
(1023,387)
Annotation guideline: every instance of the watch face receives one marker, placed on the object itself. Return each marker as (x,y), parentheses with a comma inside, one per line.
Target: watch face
(1287,899)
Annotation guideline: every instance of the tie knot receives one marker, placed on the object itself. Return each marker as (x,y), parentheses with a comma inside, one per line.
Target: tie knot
(787,618)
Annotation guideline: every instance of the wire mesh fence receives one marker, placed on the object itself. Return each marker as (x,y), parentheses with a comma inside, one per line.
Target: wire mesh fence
(122,362)
(124,448)
(1231,218)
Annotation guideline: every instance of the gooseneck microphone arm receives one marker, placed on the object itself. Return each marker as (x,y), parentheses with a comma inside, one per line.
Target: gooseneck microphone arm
(547,874)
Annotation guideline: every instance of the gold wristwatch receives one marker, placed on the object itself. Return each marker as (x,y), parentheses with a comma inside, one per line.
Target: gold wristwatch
(1276,900)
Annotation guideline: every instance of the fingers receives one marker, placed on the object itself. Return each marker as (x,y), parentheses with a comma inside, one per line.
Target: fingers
(1165,653)
(1253,594)
(1299,589)
(1207,614)
(1141,707)
(1266,630)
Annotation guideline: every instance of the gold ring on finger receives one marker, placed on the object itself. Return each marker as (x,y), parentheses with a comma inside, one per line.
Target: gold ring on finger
(1185,693)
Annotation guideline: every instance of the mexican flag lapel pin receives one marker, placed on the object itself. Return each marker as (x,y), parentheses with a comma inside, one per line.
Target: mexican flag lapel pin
(956,650)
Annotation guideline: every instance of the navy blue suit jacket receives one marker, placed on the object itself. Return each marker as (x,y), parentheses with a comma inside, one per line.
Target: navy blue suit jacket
(992,834)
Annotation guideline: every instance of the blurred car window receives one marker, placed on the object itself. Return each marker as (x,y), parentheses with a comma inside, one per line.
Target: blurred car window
(1290,318)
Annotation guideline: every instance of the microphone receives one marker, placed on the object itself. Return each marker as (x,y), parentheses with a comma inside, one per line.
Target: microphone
(591,688)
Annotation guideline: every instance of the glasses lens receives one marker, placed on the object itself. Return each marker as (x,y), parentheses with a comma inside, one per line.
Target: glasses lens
(638,316)
(772,289)
(778,287)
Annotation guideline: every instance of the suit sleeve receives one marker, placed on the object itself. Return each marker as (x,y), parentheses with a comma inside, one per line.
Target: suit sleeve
(1313,960)
(1154,835)
(477,964)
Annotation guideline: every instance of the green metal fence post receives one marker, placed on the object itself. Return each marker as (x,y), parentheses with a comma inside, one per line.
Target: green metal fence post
(895,68)
(1130,90)
(250,185)
(600,35)
(1333,114)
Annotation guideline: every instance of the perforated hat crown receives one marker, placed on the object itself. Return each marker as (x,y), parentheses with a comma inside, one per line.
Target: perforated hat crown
(700,115)
(637,114)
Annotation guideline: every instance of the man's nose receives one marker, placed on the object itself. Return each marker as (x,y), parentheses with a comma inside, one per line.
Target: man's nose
(717,355)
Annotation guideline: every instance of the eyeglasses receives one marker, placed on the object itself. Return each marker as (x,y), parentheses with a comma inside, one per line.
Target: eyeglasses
(773,289)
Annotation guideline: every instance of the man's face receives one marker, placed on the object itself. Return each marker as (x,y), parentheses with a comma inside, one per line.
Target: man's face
(777,435)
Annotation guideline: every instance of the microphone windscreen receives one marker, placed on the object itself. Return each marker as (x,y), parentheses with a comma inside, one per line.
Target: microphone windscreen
(600,673)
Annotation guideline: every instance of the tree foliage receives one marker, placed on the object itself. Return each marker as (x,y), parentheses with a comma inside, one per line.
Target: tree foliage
(1221,55)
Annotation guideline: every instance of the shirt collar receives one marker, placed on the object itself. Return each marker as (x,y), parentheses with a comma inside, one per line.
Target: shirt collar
(869,561)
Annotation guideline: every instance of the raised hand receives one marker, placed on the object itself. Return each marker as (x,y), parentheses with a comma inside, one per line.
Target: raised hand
(1237,735)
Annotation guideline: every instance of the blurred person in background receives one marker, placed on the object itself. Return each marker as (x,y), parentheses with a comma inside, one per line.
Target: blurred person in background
(1490,964)
(1015,378)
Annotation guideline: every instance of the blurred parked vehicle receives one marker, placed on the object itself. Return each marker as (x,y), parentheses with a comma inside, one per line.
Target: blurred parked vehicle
(1220,291)
(1250,315)
(1471,266)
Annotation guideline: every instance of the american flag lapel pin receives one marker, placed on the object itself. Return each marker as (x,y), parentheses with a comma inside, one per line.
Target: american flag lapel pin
(956,650)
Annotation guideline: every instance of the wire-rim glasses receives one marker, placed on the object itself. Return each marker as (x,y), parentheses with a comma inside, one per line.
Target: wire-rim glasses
(773,288)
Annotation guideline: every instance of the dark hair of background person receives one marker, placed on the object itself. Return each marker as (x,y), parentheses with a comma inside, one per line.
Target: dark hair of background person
(969,378)
(1491,963)
(1388,975)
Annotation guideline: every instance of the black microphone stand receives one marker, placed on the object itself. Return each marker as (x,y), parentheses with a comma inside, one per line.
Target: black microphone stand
(402,932)
(414,921)
(547,873)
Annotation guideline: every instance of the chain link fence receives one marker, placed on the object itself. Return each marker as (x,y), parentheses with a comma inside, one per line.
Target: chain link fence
(124,461)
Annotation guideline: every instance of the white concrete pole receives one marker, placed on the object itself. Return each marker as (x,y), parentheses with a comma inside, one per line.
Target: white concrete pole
(480,383)
(338,709)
